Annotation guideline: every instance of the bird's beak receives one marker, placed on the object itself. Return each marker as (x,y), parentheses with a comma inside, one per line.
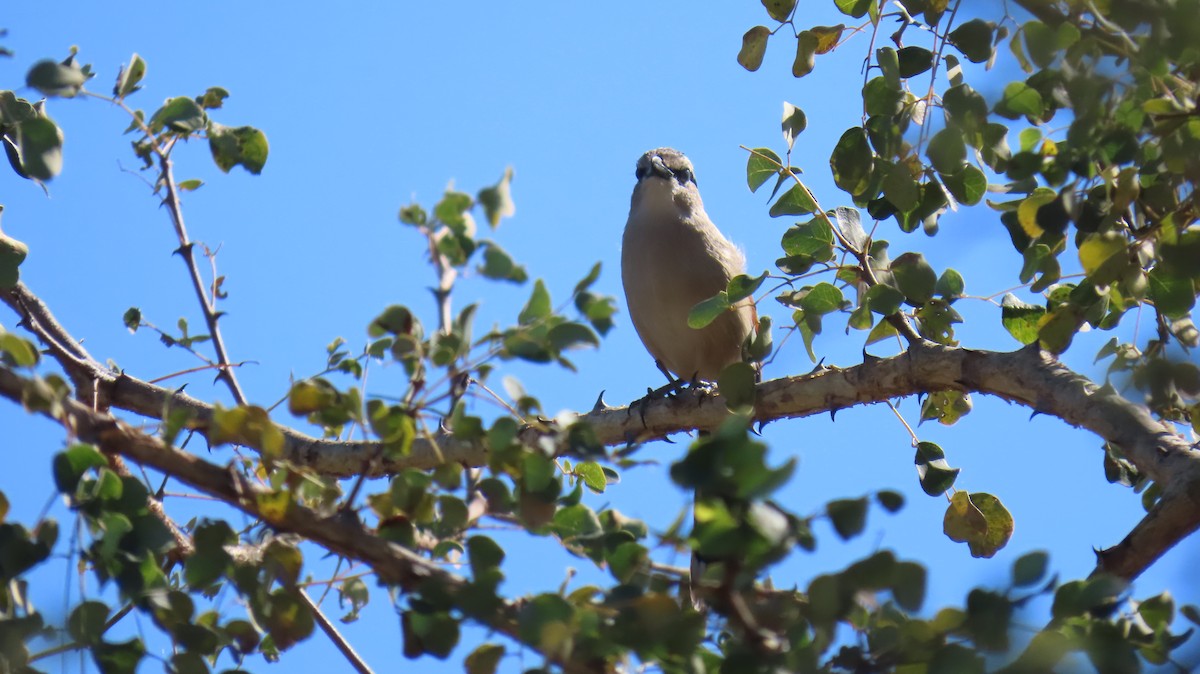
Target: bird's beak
(658,168)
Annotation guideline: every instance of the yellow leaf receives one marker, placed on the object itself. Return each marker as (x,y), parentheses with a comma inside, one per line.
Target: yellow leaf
(1027,211)
(1096,249)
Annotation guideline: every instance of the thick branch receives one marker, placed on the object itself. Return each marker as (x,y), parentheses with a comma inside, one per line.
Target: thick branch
(1029,377)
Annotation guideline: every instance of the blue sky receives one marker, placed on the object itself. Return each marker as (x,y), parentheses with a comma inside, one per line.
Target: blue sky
(370,107)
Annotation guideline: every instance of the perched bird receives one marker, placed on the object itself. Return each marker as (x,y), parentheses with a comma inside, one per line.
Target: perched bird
(673,257)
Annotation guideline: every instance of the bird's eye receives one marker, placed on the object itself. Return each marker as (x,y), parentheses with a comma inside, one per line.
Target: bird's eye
(684,176)
(640,173)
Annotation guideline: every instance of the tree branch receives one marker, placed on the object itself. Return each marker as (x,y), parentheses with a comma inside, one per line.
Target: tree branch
(186,251)
(1030,377)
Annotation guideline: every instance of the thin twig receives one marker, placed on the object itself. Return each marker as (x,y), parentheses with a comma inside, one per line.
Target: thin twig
(336,637)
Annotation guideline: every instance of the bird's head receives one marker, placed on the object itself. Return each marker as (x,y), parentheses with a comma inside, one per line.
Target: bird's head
(667,164)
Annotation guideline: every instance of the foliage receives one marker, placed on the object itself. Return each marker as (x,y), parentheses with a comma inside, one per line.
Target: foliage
(1109,189)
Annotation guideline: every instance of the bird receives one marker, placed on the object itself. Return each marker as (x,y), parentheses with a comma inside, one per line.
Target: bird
(672,258)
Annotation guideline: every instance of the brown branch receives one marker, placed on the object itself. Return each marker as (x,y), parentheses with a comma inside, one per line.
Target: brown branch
(186,246)
(336,637)
(1029,377)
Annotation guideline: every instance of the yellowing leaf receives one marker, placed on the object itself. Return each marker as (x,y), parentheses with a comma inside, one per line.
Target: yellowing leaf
(1027,211)
(1097,248)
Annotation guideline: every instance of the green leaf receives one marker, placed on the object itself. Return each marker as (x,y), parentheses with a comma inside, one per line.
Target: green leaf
(129,77)
(915,278)
(70,465)
(796,201)
(968,185)
(884,299)
(946,406)
(852,162)
(1030,568)
(212,98)
(1173,294)
(849,516)
(497,200)
(538,307)
(592,475)
(180,115)
(484,659)
(736,384)
(912,61)
(935,474)
(56,79)
(950,285)
(889,64)
(499,265)
(761,165)
(1020,319)
(708,310)
(946,151)
(86,623)
(908,585)
(891,500)
(244,145)
(807,44)
(974,39)
(754,46)
(854,8)
(1158,611)
(1020,99)
(979,520)
(823,298)
(794,122)
(37,144)
(19,352)
(12,254)
(900,188)
(742,286)
(780,10)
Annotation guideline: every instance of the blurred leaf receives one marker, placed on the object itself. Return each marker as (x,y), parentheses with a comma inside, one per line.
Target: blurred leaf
(973,39)
(737,386)
(497,200)
(244,145)
(848,516)
(484,660)
(12,254)
(181,115)
(538,307)
(56,79)
(129,77)
(1030,568)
